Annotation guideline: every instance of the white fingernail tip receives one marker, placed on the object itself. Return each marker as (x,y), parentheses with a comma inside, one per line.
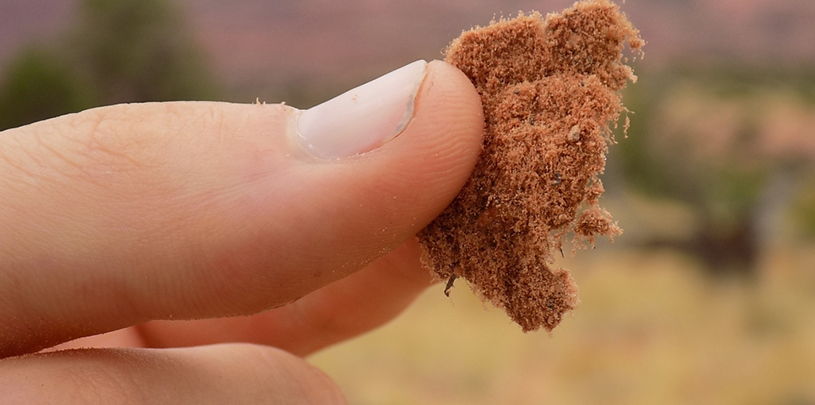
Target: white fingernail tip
(364,118)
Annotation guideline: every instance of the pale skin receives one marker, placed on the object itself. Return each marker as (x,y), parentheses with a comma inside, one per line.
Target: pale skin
(116,223)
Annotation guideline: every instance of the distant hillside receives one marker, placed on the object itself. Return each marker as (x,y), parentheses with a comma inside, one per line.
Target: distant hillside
(261,43)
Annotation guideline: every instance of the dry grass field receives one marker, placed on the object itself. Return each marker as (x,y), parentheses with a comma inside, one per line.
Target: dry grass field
(651,328)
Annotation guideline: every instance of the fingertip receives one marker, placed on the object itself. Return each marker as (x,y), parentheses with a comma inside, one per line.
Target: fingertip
(437,152)
(452,109)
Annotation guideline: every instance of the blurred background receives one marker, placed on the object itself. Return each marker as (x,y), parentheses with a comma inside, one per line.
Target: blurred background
(708,297)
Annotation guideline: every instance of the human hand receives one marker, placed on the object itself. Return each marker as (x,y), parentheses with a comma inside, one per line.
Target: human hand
(131,218)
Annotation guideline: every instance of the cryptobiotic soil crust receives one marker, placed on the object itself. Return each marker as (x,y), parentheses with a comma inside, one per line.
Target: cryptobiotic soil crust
(550,91)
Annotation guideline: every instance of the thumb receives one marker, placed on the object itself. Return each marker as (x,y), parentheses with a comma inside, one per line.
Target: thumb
(122,214)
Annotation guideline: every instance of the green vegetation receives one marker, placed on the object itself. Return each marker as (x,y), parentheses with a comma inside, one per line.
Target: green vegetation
(40,84)
(803,209)
(139,50)
(119,51)
(729,142)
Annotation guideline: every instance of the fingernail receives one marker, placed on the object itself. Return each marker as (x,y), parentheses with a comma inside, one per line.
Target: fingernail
(364,118)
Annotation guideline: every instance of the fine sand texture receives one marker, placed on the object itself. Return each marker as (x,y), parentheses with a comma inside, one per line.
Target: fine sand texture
(550,91)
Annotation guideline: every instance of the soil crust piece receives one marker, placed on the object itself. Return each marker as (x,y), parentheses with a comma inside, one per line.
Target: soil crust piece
(550,89)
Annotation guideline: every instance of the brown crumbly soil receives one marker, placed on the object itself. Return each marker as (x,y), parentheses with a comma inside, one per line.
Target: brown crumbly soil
(550,89)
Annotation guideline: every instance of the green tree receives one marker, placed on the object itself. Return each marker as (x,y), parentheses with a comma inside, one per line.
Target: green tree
(118,51)
(139,50)
(39,84)
(725,142)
